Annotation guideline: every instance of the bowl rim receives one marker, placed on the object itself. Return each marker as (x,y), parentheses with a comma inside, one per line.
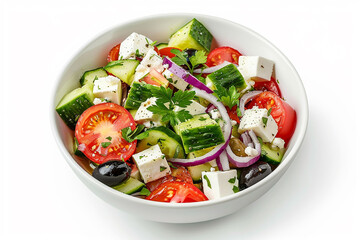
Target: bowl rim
(282,167)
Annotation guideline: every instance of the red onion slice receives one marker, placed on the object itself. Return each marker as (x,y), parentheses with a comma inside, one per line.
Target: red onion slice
(245,161)
(212,69)
(209,108)
(185,75)
(223,162)
(246,98)
(213,154)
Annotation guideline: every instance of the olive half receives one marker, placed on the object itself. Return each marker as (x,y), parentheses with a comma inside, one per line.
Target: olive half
(253,174)
(112,172)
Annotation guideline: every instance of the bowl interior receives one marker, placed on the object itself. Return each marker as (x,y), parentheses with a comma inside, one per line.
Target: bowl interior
(159,28)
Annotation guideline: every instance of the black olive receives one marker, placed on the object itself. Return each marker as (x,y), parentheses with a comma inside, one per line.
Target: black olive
(253,174)
(112,172)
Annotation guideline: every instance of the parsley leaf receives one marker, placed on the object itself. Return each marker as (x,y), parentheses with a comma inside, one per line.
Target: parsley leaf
(198,59)
(229,97)
(181,58)
(131,136)
(207,181)
(164,96)
(232,180)
(236,189)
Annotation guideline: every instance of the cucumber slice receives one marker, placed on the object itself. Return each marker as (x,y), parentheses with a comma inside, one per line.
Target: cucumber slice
(91,75)
(130,186)
(168,141)
(161,45)
(123,69)
(271,155)
(76,150)
(226,77)
(199,132)
(138,93)
(73,104)
(193,35)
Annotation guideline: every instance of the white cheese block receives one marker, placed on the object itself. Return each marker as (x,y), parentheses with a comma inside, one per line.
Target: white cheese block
(152,164)
(151,61)
(108,88)
(194,108)
(255,68)
(175,80)
(220,183)
(257,119)
(278,142)
(100,100)
(143,114)
(134,45)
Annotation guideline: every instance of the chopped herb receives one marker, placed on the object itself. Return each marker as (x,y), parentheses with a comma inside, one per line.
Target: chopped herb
(140,157)
(277,80)
(144,192)
(172,165)
(202,118)
(264,120)
(229,97)
(138,54)
(232,180)
(149,144)
(162,168)
(109,138)
(153,43)
(163,156)
(269,111)
(207,181)
(131,136)
(105,144)
(181,59)
(165,96)
(236,189)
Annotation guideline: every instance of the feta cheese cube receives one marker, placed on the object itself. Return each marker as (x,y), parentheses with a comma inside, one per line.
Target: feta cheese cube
(133,45)
(175,80)
(255,68)
(215,114)
(251,151)
(143,114)
(151,61)
(108,88)
(257,119)
(220,183)
(152,164)
(194,108)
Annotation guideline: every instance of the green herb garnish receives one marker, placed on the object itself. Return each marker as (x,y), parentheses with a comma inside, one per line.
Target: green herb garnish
(165,96)
(207,181)
(105,144)
(172,165)
(181,59)
(162,168)
(232,180)
(264,120)
(229,97)
(131,136)
(269,111)
(236,189)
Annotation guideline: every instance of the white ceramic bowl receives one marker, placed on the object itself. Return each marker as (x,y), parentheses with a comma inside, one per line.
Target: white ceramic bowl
(159,28)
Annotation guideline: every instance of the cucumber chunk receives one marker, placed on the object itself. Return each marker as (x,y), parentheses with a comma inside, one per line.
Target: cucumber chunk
(76,150)
(193,35)
(226,77)
(195,171)
(73,104)
(123,69)
(168,141)
(91,75)
(199,132)
(271,155)
(138,93)
(130,186)
(161,45)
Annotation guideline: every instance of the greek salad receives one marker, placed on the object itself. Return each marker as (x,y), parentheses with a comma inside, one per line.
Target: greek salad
(181,121)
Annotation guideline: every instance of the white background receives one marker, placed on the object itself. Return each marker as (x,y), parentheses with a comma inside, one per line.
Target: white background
(318,197)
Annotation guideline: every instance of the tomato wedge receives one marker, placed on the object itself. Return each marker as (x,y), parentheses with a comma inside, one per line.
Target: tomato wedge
(177,192)
(98,132)
(283,114)
(180,174)
(114,53)
(233,114)
(221,54)
(271,86)
(166,51)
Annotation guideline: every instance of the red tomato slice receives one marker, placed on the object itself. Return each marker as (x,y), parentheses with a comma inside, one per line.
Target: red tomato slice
(232,113)
(221,54)
(155,78)
(178,192)
(114,54)
(99,131)
(283,114)
(271,86)
(167,52)
(180,174)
